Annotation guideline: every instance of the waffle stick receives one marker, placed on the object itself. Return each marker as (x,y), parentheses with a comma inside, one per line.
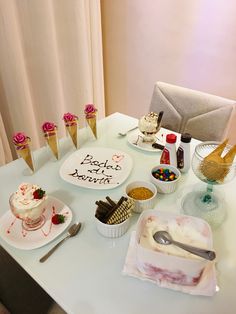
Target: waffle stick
(109,214)
(121,213)
(105,210)
(119,219)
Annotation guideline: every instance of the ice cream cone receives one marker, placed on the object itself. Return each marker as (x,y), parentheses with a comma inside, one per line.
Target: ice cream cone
(90,115)
(51,139)
(71,124)
(72,130)
(25,153)
(22,145)
(92,122)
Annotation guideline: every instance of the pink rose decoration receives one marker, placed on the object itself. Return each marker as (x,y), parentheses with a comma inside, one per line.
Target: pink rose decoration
(90,110)
(19,138)
(49,126)
(68,117)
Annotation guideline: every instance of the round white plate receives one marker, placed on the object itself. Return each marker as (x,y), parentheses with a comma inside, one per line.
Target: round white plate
(135,139)
(97,168)
(12,232)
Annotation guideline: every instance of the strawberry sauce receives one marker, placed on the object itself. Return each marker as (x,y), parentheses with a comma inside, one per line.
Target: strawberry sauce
(44,232)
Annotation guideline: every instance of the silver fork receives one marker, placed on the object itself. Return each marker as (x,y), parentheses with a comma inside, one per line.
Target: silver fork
(124,134)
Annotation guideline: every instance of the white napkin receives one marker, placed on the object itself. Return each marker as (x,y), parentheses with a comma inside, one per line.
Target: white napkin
(207,285)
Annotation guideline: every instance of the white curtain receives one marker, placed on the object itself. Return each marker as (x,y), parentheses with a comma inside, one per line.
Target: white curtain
(50,63)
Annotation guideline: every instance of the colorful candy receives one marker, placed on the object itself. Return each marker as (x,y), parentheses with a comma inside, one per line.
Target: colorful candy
(164,174)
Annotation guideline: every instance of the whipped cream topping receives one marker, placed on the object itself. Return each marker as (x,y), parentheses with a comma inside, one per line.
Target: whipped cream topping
(148,123)
(24,199)
(179,232)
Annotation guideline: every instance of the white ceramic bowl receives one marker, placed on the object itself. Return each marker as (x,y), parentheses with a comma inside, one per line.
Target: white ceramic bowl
(178,267)
(141,205)
(165,187)
(112,231)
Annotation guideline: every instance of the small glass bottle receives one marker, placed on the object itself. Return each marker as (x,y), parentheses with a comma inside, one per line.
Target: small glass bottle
(169,153)
(183,153)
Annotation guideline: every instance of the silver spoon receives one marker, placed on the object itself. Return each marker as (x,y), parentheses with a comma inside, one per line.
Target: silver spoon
(163,237)
(125,133)
(72,231)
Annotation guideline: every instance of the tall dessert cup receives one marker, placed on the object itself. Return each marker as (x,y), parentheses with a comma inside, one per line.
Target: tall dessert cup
(50,135)
(71,124)
(23,150)
(91,118)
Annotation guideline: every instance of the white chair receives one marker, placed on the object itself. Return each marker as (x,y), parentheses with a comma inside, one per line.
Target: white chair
(206,117)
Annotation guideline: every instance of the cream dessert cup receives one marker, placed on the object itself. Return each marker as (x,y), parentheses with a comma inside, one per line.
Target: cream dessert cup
(149,126)
(26,207)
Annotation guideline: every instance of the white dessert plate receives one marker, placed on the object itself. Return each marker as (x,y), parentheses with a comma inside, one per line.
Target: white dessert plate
(12,232)
(96,168)
(135,139)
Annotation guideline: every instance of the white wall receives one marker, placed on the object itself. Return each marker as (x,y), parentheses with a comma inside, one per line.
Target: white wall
(190,43)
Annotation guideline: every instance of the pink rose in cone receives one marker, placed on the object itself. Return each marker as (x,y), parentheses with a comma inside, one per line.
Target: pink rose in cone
(69,117)
(19,138)
(90,111)
(49,127)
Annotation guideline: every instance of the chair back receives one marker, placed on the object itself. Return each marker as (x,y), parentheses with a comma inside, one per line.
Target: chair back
(206,117)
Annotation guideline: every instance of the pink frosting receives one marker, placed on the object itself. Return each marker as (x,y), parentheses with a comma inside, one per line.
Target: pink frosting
(69,117)
(49,126)
(90,111)
(19,138)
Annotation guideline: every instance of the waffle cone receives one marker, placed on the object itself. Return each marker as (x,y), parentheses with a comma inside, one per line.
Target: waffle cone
(92,122)
(213,170)
(72,130)
(218,150)
(52,143)
(216,168)
(229,157)
(25,153)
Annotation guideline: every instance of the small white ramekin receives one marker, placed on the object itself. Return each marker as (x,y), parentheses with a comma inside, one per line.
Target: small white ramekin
(141,205)
(112,231)
(165,187)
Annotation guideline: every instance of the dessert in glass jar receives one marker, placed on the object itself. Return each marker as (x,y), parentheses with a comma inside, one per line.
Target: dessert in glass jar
(28,203)
(149,125)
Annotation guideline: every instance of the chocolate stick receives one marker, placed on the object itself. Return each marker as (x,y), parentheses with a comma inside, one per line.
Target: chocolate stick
(110,201)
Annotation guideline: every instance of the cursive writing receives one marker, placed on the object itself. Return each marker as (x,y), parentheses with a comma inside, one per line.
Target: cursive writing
(84,177)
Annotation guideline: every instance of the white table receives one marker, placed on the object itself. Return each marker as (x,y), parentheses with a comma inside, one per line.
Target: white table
(90,266)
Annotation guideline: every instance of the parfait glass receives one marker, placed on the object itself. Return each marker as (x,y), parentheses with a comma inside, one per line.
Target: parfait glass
(207,203)
(149,125)
(32,217)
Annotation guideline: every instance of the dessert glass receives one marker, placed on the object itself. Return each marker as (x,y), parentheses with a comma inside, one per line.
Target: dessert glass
(149,125)
(32,216)
(205,203)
